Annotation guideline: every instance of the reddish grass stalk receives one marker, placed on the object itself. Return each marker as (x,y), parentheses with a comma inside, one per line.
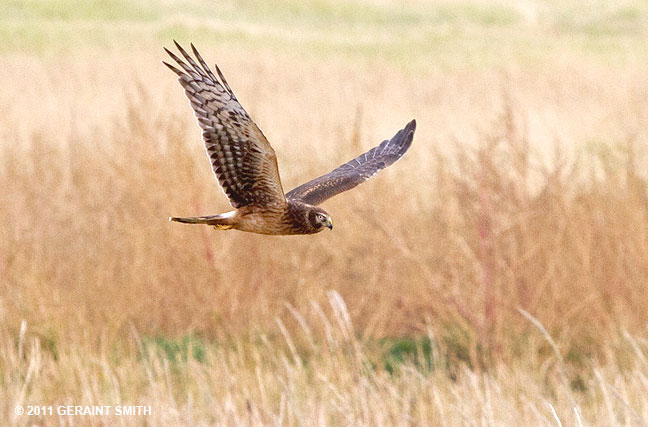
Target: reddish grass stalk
(484,228)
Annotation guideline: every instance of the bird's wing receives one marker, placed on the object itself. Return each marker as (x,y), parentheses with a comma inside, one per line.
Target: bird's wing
(356,171)
(241,156)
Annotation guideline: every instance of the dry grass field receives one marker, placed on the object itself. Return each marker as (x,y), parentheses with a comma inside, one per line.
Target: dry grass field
(496,275)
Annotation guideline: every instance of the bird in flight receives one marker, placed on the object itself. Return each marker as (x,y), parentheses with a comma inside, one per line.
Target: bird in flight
(246,165)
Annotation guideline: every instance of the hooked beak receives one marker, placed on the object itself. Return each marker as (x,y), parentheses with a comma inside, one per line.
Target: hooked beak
(329,223)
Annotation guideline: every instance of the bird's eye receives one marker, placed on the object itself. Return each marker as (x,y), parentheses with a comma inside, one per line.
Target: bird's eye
(320,217)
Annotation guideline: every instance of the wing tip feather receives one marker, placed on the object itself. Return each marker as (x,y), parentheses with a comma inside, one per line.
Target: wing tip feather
(177,45)
(172,68)
(409,129)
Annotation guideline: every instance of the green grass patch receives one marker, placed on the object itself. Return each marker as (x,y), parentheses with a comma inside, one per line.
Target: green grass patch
(416,351)
(412,36)
(86,10)
(175,350)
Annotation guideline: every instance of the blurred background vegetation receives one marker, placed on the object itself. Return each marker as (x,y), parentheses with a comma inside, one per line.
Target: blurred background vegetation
(496,274)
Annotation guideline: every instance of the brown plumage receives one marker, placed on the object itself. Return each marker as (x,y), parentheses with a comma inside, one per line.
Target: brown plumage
(246,165)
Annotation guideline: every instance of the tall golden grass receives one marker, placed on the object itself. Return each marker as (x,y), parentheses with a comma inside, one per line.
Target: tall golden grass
(497,274)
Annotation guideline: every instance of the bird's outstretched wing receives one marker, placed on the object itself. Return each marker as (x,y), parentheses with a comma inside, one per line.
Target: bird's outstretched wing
(356,171)
(241,156)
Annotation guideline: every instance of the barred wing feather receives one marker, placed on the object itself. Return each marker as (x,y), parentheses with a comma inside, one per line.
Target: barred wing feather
(242,159)
(357,171)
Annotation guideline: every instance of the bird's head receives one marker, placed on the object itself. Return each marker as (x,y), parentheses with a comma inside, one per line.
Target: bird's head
(319,219)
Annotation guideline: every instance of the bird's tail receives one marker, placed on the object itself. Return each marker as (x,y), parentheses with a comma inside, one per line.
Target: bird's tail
(219,222)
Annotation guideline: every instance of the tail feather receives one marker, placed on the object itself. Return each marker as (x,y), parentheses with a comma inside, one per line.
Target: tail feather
(220,222)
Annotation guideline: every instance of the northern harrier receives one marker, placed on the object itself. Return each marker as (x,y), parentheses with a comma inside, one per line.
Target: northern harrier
(246,166)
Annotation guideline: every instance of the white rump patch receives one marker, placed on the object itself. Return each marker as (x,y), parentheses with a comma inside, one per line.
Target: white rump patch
(229,214)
